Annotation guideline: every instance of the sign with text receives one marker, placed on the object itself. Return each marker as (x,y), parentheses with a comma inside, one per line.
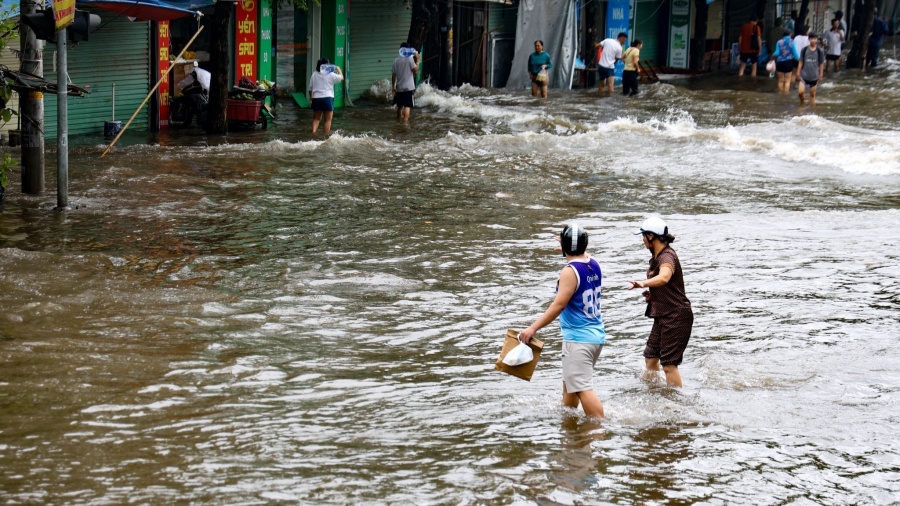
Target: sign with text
(63,13)
(246,24)
(679,33)
(163,42)
(618,19)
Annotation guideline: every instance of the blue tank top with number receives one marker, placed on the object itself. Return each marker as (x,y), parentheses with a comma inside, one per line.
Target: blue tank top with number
(581,320)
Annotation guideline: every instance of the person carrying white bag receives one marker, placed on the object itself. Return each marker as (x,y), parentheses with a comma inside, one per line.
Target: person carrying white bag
(577,304)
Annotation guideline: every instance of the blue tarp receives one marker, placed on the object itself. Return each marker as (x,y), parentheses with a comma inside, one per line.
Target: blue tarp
(144,10)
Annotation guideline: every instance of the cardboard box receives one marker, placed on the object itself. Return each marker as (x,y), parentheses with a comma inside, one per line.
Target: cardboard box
(179,71)
(524,371)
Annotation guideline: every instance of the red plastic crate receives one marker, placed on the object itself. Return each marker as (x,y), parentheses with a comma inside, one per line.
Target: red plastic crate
(243,110)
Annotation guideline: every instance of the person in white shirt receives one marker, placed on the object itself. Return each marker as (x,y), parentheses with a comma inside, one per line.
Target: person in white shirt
(801,40)
(834,41)
(321,93)
(403,81)
(195,88)
(611,51)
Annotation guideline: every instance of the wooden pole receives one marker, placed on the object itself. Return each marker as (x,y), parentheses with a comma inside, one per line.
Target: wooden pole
(111,144)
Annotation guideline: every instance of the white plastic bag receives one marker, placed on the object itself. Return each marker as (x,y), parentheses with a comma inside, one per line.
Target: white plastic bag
(543,76)
(519,355)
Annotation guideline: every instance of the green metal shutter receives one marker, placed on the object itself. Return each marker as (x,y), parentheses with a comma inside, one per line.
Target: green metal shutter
(377,27)
(119,52)
(502,18)
(647,28)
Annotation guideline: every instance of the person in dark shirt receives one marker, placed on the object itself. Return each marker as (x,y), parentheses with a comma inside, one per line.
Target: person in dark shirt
(667,304)
(538,63)
(876,39)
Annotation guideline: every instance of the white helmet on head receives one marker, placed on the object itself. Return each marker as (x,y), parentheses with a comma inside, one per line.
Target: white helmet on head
(655,226)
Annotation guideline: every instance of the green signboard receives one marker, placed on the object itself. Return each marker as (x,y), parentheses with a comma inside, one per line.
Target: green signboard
(334,40)
(679,33)
(266,57)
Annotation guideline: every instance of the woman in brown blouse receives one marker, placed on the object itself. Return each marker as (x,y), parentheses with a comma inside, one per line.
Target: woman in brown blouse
(666,303)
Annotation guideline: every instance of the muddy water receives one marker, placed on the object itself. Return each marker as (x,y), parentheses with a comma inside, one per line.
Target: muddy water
(273,317)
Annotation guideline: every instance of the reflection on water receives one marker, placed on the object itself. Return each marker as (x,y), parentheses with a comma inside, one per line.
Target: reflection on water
(276,317)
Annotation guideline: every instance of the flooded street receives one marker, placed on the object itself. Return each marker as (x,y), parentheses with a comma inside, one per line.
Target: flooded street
(272,317)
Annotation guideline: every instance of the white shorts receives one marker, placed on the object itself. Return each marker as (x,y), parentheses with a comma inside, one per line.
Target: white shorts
(578,361)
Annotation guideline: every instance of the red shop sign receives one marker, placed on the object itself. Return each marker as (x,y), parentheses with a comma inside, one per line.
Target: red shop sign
(245,40)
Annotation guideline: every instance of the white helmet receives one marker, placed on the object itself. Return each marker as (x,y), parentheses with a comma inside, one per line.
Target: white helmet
(654,225)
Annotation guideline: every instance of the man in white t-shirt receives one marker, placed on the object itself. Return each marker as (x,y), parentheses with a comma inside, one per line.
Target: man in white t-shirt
(611,51)
(403,81)
(195,88)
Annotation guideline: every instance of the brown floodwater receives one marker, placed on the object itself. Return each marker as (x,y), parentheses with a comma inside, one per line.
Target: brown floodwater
(276,317)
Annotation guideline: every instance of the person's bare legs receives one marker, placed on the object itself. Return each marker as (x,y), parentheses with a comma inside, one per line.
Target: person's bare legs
(534,89)
(651,370)
(328,115)
(741,68)
(544,90)
(673,377)
(610,81)
(317,116)
(590,403)
(781,81)
(753,70)
(404,113)
(812,95)
(569,400)
(801,90)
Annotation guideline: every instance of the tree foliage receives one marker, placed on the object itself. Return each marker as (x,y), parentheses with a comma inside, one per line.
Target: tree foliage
(8,32)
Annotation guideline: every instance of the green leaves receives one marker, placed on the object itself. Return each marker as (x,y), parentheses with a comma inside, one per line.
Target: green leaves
(5,165)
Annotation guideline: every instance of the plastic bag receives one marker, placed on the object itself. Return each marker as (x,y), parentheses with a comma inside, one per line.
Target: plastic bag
(519,355)
(770,67)
(543,76)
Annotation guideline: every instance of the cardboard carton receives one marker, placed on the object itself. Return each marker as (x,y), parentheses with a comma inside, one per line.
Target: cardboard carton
(524,371)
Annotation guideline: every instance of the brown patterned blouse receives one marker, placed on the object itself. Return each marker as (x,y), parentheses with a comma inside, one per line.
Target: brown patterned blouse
(670,297)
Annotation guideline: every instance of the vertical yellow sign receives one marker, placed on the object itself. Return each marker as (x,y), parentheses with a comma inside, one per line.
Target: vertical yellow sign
(63,13)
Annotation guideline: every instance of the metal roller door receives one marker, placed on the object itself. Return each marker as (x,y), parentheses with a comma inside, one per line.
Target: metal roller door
(117,53)
(377,27)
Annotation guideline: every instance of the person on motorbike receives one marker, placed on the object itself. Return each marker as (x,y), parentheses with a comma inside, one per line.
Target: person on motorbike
(195,88)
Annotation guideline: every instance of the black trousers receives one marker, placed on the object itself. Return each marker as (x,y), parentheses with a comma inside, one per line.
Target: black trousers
(630,82)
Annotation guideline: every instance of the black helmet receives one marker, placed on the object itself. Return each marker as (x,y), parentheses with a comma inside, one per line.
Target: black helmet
(573,239)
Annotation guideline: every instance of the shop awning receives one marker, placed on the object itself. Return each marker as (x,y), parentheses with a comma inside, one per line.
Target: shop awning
(142,10)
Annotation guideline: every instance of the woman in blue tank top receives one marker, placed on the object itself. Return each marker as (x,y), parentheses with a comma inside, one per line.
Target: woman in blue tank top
(577,304)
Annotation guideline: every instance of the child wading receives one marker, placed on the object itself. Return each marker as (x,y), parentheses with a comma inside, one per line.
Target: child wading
(577,304)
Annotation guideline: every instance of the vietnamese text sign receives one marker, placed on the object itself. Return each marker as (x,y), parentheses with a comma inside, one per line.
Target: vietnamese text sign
(163,38)
(246,20)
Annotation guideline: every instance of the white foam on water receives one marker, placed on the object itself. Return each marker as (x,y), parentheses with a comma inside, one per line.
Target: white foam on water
(427,96)
(818,141)
(799,140)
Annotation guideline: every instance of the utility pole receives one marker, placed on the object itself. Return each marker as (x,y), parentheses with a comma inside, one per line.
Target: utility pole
(62,120)
(32,107)
(447,47)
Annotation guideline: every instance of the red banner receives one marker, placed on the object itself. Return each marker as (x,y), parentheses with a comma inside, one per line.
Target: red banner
(163,43)
(245,40)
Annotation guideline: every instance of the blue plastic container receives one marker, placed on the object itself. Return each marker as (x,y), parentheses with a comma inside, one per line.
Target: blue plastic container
(407,52)
(327,69)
